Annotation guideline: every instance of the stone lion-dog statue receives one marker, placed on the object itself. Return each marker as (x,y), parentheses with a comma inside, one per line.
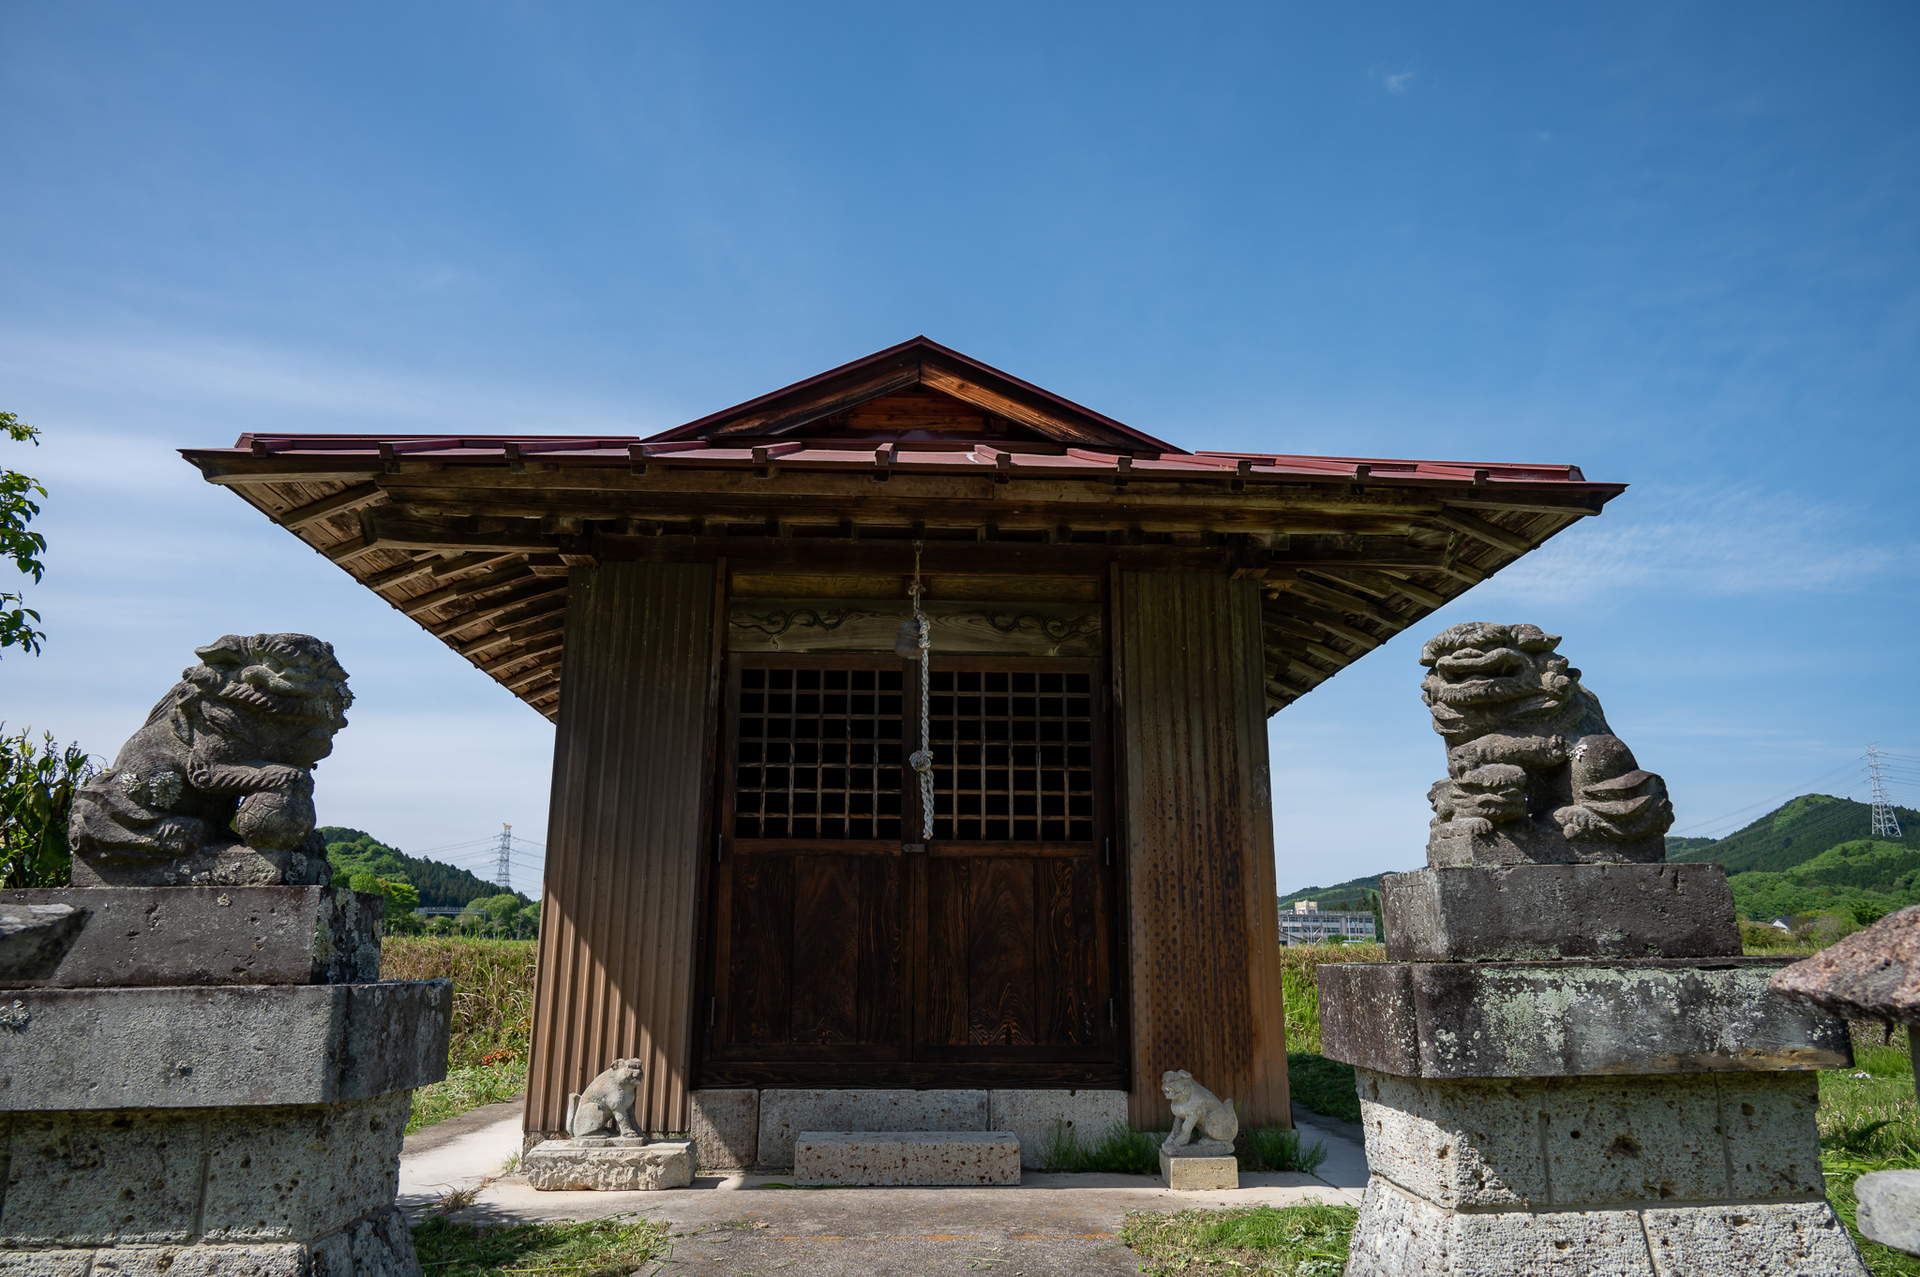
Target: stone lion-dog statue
(1534,774)
(606,1106)
(217,787)
(1196,1108)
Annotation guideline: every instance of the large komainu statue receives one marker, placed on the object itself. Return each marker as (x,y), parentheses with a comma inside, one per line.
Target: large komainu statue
(1534,774)
(217,787)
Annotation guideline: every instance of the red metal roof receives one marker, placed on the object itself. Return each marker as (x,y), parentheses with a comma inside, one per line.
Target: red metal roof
(1028,461)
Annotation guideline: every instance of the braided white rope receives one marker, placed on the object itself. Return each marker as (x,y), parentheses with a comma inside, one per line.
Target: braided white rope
(921,760)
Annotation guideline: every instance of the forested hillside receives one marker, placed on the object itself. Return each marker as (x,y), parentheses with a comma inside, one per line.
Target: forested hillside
(1814,855)
(352,851)
(1793,834)
(1351,894)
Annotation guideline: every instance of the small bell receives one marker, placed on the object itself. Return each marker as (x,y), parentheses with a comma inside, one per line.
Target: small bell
(907,641)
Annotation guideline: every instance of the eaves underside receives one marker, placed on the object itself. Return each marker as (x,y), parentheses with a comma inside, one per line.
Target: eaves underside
(478,554)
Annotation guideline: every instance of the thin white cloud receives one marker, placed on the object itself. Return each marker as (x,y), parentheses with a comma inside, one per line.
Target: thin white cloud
(1398,81)
(213,371)
(1719,542)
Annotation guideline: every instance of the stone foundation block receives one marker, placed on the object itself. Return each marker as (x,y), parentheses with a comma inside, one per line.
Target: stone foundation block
(377,1246)
(172,1048)
(1201,1166)
(895,1158)
(785,1114)
(1529,912)
(1569,1019)
(1400,1233)
(608,1166)
(1479,1144)
(726,1129)
(1034,1116)
(1775,1239)
(176,1175)
(155,936)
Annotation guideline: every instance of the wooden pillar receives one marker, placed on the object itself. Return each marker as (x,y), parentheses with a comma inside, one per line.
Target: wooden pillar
(619,925)
(1203,935)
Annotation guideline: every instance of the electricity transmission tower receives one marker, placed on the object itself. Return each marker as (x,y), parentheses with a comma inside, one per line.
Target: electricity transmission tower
(1885,823)
(503,870)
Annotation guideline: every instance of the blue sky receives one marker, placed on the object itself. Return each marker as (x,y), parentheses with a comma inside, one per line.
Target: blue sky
(1672,243)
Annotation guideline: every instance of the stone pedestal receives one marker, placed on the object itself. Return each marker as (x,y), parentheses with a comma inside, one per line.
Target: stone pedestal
(1650,1113)
(224,1109)
(619,1164)
(1201,1166)
(903,1158)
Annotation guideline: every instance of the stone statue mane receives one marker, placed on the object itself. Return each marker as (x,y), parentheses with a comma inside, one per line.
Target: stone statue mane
(1534,774)
(217,786)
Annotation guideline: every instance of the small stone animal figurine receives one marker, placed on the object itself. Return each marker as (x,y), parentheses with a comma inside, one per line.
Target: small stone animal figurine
(1195,1107)
(606,1106)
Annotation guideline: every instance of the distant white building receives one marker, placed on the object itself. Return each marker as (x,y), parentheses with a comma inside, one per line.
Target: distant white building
(1307,924)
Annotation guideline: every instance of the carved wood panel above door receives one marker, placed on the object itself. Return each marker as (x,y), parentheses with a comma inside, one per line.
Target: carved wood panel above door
(1025,628)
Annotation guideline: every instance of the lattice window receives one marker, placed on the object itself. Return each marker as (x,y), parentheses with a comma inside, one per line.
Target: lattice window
(818,754)
(1013,756)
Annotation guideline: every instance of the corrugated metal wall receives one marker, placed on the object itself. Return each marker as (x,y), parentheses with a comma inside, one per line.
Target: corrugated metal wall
(619,925)
(1204,941)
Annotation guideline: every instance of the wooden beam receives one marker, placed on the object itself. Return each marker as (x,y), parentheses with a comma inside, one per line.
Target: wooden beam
(1332,622)
(533,647)
(397,575)
(534,591)
(346,551)
(520,683)
(1481,530)
(353,498)
(1517,505)
(1385,586)
(1347,602)
(231,472)
(398,533)
(446,594)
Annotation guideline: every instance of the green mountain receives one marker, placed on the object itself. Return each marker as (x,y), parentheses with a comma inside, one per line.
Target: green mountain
(1793,834)
(1816,854)
(352,851)
(1350,895)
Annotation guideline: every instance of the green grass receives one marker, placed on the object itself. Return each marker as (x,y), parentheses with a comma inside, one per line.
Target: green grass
(1301,989)
(611,1247)
(1120,1150)
(1870,1123)
(492,1017)
(1272,1148)
(1308,1240)
(466,1089)
(1323,1085)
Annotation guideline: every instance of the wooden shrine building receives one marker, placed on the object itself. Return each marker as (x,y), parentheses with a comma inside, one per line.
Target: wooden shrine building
(738,887)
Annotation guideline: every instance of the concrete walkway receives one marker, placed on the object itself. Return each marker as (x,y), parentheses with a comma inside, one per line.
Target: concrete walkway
(744,1224)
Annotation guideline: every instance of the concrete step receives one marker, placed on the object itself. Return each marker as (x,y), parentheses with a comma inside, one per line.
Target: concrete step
(894,1158)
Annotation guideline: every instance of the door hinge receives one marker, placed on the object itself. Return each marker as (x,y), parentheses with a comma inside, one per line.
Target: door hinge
(1113,1013)
(712,1005)
(719,844)
(1109,852)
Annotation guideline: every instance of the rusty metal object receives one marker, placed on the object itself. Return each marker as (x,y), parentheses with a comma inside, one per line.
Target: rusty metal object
(1204,952)
(618,932)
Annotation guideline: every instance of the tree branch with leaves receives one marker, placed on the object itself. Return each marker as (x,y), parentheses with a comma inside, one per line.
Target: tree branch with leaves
(19,543)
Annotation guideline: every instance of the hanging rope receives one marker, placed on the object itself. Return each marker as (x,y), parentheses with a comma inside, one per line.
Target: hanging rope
(921,760)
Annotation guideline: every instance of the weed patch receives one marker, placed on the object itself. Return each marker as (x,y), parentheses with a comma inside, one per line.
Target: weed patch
(611,1247)
(1119,1150)
(1308,1240)
(1323,1085)
(465,1089)
(1270,1148)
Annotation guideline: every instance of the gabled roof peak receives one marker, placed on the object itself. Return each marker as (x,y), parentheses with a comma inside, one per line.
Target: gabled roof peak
(831,403)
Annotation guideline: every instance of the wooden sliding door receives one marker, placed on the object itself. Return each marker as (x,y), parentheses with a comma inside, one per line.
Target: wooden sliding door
(847,950)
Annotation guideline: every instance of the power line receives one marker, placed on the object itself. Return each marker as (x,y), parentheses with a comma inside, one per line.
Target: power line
(1885,823)
(1852,764)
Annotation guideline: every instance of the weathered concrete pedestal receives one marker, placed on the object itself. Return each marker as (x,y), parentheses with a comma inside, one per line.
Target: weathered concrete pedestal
(1202,1166)
(615,1164)
(207,1102)
(1645,1108)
